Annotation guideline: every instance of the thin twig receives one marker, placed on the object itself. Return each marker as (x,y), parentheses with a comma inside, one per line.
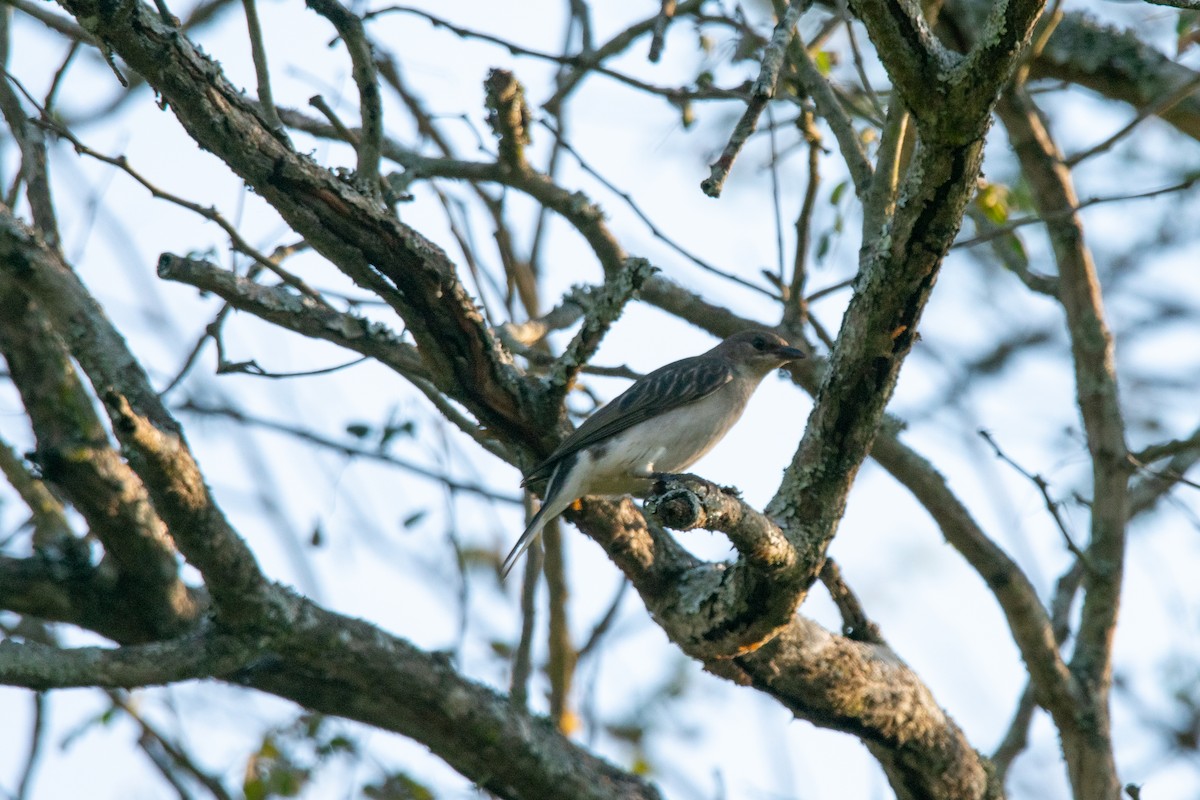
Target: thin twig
(1043,487)
(604,625)
(1156,452)
(64,25)
(258,52)
(655,231)
(344,448)
(588,61)
(859,62)
(761,93)
(835,116)
(319,103)
(1186,5)
(31,143)
(210,213)
(59,75)
(828,290)
(350,27)
(798,304)
(658,38)
(1156,108)
(855,623)
(1065,213)
(252,368)
(177,755)
(776,201)
(37,739)
(522,665)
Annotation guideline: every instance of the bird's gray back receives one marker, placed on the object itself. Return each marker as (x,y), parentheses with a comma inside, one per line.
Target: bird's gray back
(675,385)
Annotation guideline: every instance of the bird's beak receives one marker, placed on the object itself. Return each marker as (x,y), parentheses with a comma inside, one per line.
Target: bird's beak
(789,353)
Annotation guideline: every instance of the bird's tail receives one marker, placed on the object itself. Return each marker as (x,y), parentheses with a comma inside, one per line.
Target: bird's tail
(561,491)
(530,535)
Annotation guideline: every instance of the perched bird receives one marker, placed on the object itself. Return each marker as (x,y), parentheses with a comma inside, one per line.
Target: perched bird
(663,423)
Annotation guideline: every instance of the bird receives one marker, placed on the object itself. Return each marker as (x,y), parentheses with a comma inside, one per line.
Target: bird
(661,424)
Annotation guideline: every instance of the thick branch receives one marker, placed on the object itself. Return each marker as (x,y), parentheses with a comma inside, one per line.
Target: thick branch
(834,682)
(152,439)
(74,453)
(914,58)
(864,689)
(1117,65)
(1087,748)
(687,502)
(62,586)
(989,64)
(337,665)
(292,311)
(200,655)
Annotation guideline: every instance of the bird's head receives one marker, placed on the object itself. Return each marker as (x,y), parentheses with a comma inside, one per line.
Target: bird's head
(757,351)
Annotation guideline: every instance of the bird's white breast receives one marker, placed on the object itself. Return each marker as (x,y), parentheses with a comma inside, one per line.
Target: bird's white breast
(669,442)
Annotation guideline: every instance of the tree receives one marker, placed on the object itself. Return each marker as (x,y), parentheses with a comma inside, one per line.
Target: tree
(884,109)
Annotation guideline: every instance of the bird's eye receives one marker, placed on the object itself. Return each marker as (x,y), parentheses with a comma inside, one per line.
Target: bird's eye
(760,343)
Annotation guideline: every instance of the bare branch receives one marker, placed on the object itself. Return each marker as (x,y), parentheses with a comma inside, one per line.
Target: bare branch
(154,445)
(601,309)
(1157,108)
(687,502)
(509,117)
(203,654)
(912,54)
(1088,752)
(73,452)
(660,29)
(831,110)
(1118,65)
(761,93)
(347,449)
(34,166)
(49,518)
(300,313)
(855,623)
(350,28)
(258,52)
(178,758)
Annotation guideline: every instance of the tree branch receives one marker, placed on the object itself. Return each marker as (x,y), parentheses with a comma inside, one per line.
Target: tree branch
(908,49)
(369,245)
(1120,66)
(74,453)
(202,654)
(1086,737)
(152,439)
(350,28)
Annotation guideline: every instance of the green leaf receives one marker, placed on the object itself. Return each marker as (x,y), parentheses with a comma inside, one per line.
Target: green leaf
(993,200)
(398,786)
(836,195)
(825,61)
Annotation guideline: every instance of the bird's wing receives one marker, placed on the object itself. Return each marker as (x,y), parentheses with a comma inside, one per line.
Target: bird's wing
(677,384)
